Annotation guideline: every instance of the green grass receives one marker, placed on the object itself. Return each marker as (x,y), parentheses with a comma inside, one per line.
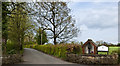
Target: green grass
(103,53)
(113,50)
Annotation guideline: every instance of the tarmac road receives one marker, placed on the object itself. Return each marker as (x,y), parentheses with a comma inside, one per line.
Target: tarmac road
(32,56)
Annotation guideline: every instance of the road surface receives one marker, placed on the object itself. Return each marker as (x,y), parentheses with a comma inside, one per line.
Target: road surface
(32,56)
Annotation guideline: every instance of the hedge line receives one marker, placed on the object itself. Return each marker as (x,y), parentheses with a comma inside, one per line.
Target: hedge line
(59,50)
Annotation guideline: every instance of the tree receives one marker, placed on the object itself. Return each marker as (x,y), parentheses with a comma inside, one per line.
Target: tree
(41,37)
(19,24)
(118,44)
(55,17)
(99,42)
(5,18)
(81,43)
(29,37)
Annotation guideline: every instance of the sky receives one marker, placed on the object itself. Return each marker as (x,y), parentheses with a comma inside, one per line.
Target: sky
(96,20)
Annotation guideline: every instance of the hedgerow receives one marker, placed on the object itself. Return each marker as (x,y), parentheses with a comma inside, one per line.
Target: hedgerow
(59,50)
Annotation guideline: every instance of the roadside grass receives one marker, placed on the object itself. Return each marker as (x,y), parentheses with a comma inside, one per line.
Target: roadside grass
(103,53)
(113,50)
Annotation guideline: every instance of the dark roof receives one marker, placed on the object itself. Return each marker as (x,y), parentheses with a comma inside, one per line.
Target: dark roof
(89,41)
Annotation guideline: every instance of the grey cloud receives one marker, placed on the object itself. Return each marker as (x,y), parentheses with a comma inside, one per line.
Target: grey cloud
(97,18)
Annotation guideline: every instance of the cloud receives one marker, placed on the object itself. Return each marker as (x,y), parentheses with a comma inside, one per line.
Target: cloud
(98,21)
(96,17)
(83,27)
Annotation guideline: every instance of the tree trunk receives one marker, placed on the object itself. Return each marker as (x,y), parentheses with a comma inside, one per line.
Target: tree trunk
(22,42)
(5,46)
(55,41)
(54,37)
(54,27)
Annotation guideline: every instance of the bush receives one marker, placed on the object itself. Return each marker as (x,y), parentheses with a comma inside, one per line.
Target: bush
(10,48)
(11,51)
(59,50)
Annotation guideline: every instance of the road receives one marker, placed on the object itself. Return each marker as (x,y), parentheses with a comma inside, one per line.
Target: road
(32,56)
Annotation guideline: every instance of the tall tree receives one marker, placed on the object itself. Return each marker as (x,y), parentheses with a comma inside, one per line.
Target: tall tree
(19,24)
(41,37)
(55,17)
(5,18)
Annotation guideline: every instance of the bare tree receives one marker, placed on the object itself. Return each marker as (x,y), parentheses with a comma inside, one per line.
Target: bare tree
(55,17)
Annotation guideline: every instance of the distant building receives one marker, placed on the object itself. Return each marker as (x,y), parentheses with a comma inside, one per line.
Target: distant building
(89,47)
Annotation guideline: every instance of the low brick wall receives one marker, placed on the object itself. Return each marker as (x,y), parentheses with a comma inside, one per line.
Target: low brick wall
(12,59)
(92,59)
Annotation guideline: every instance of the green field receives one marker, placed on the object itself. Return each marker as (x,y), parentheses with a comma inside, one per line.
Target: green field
(111,50)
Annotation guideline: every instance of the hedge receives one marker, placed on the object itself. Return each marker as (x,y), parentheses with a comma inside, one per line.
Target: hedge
(59,50)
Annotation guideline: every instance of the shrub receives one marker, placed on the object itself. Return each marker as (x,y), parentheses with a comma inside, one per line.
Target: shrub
(11,51)
(59,50)
(10,48)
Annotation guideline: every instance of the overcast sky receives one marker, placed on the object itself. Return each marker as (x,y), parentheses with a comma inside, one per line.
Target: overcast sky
(96,20)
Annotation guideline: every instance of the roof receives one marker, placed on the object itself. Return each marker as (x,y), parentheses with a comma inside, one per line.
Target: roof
(89,41)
